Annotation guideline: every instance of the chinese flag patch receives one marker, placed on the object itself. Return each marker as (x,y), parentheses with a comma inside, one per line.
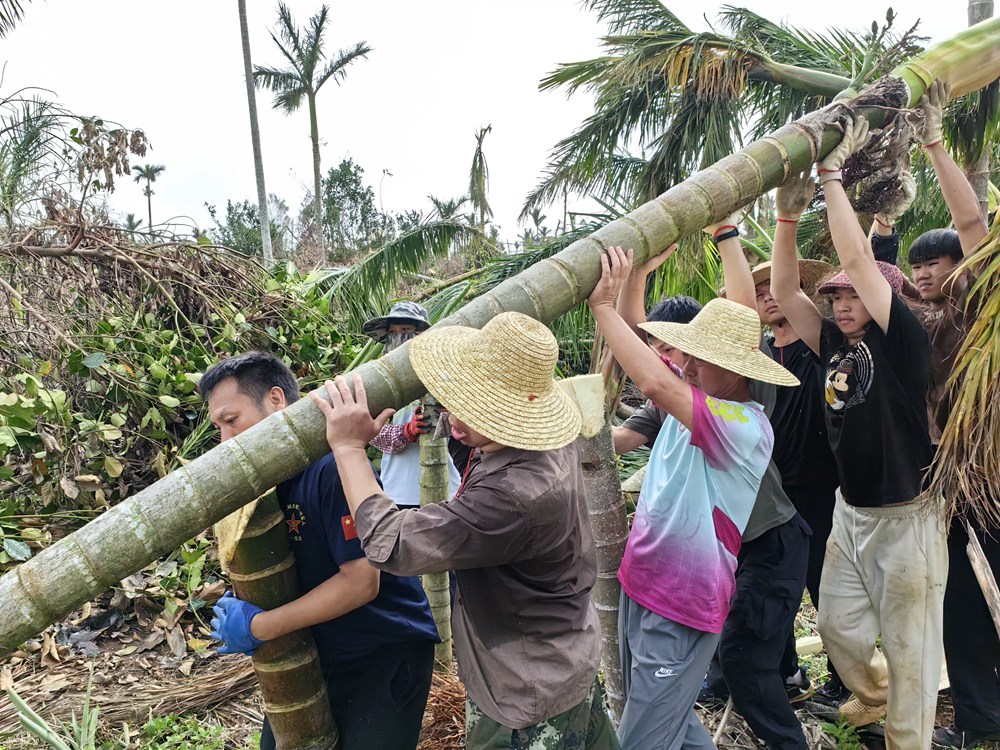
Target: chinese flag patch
(350,530)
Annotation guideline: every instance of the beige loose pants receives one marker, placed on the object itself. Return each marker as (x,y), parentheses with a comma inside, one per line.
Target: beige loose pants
(884,575)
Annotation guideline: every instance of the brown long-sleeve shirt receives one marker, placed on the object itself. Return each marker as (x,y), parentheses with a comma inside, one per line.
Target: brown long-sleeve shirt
(518,537)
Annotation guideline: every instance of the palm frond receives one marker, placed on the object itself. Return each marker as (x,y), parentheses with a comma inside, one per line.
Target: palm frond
(314,42)
(296,64)
(479,179)
(973,122)
(29,137)
(627,16)
(361,291)
(289,32)
(684,99)
(11,11)
(337,68)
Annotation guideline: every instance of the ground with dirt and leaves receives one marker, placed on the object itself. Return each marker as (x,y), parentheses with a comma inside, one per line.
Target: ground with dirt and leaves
(157,681)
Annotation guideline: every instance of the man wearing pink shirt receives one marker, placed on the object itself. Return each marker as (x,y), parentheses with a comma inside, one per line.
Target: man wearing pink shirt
(704,472)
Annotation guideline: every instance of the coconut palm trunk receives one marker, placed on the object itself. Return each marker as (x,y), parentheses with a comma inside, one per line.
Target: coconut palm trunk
(434,489)
(609,522)
(978,172)
(158,519)
(258,160)
(262,572)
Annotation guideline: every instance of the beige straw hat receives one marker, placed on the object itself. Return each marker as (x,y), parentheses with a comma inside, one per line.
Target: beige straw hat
(498,380)
(726,334)
(811,272)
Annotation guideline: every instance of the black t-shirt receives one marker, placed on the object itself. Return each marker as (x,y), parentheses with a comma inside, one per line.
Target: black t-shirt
(876,417)
(322,535)
(801,447)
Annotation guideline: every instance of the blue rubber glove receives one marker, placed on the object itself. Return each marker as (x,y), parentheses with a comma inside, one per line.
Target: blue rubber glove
(231,625)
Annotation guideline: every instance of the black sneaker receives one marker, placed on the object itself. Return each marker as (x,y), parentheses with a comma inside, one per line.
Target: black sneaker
(832,693)
(953,737)
(798,687)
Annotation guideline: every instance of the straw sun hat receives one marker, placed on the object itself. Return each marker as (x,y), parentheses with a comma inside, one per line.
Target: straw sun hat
(811,272)
(498,380)
(726,334)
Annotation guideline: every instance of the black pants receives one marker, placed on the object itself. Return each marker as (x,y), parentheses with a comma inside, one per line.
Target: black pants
(378,702)
(769,580)
(815,505)
(971,645)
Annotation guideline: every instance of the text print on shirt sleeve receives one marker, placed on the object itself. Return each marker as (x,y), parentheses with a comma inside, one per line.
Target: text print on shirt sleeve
(725,431)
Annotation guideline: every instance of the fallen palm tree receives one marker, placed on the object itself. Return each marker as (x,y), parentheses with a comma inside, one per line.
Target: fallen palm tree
(158,519)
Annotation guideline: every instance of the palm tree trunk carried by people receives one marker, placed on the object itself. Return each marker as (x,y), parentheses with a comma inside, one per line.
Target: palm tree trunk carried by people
(157,520)
(258,160)
(291,681)
(434,489)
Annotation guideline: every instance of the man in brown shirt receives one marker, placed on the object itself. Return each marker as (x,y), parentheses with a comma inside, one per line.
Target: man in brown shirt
(527,638)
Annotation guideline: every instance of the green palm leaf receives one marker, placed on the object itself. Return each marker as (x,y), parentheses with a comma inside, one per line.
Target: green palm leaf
(11,11)
(361,291)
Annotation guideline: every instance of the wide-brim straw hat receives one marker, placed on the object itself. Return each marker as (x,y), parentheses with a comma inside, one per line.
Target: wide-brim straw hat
(498,381)
(726,334)
(841,280)
(811,272)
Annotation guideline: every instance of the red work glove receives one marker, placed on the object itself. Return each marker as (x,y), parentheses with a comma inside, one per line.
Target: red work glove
(416,426)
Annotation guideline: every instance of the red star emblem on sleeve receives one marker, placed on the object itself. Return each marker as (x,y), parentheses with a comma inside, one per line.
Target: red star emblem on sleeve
(350,530)
(294,524)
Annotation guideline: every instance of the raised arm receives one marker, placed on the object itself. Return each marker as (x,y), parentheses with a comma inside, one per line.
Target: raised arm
(736,276)
(791,200)
(850,242)
(882,236)
(958,193)
(639,362)
(632,300)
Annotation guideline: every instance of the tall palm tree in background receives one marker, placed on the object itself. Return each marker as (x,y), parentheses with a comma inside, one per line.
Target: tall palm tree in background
(258,160)
(149,173)
(684,99)
(479,181)
(304,77)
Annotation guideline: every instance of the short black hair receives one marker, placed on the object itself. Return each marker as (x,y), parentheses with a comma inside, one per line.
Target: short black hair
(677,309)
(935,243)
(255,373)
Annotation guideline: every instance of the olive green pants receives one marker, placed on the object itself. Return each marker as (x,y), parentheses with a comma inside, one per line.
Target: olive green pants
(584,727)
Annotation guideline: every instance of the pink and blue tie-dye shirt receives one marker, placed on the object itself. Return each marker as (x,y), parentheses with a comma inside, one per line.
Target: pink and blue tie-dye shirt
(700,486)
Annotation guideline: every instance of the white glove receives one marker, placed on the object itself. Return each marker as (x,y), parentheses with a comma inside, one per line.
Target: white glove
(908,191)
(926,120)
(732,220)
(855,138)
(793,196)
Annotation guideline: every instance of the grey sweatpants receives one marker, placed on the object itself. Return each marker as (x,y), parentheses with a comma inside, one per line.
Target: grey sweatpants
(884,575)
(663,666)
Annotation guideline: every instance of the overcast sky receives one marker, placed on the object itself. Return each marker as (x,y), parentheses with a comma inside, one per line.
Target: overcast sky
(439,70)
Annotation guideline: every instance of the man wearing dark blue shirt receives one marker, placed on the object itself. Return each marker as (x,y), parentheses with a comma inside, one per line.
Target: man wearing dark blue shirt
(374,631)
